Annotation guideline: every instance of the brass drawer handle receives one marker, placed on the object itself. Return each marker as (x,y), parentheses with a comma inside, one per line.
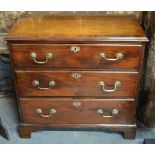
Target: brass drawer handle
(36,83)
(33,57)
(116,84)
(75,49)
(113,113)
(40,112)
(118,56)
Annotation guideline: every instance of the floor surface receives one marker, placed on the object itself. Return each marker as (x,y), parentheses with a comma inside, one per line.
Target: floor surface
(8,114)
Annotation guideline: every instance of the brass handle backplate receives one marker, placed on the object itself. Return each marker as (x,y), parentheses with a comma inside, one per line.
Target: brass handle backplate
(102,112)
(75,49)
(40,112)
(36,83)
(118,56)
(33,56)
(116,85)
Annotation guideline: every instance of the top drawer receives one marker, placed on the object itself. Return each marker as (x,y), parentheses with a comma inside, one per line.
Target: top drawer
(82,56)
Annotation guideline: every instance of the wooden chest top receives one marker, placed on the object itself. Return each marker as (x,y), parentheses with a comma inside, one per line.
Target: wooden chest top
(77,28)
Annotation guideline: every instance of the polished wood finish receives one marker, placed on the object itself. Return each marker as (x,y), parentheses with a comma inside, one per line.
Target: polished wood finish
(87,58)
(77,28)
(86,85)
(93,35)
(86,113)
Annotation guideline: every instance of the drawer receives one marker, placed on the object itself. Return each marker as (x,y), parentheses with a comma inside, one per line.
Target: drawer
(76,56)
(73,83)
(77,111)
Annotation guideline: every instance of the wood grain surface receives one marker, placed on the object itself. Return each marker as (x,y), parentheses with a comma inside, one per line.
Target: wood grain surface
(77,27)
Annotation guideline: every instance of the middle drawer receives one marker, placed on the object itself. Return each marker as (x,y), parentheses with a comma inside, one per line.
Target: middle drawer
(72,83)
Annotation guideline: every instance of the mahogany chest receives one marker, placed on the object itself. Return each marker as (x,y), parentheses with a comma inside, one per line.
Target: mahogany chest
(77,71)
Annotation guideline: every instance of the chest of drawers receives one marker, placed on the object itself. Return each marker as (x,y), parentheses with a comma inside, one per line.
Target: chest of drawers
(76,71)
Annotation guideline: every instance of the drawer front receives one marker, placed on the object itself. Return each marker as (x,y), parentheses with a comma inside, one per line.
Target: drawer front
(76,56)
(82,83)
(84,111)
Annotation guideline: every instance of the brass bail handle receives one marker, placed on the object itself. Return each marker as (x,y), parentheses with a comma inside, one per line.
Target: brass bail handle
(113,113)
(33,56)
(36,84)
(118,56)
(116,85)
(40,112)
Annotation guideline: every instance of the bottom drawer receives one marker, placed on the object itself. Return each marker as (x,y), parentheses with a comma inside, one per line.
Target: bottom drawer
(77,111)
